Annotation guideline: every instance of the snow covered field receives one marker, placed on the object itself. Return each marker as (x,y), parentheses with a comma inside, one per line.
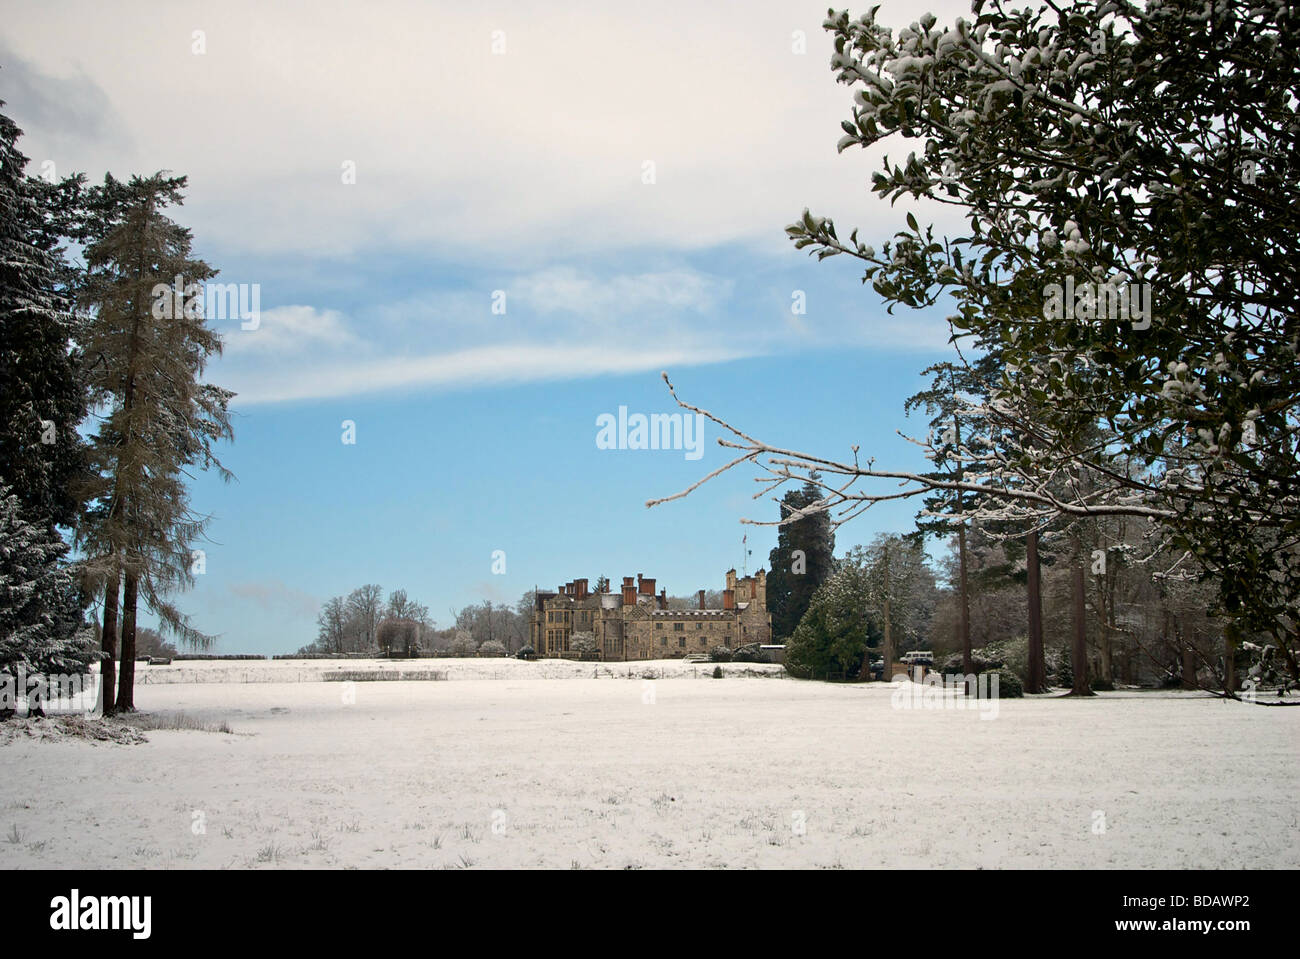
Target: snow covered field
(616,772)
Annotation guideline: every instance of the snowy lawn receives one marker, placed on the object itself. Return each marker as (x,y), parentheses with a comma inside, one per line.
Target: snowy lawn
(618,772)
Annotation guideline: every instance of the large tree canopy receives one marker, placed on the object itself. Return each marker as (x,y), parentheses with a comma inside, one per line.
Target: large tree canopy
(1127,176)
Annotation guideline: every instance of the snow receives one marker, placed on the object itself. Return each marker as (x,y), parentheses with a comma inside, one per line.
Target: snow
(316,670)
(681,771)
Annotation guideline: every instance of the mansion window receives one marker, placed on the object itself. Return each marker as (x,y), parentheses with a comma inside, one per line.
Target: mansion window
(679,627)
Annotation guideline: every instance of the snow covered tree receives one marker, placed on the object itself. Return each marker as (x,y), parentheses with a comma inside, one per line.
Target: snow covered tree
(146,347)
(955,391)
(42,623)
(1094,158)
(41,398)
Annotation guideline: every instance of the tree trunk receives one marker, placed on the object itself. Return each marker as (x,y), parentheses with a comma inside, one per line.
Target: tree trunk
(966,666)
(1189,666)
(888,646)
(1229,665)
(1037,663)
(1079,648)
(1107,638)
(126,681)
(108,643)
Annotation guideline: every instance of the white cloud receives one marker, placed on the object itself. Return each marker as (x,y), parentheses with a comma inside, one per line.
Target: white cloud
(564,289)
(486,365)
(286,329)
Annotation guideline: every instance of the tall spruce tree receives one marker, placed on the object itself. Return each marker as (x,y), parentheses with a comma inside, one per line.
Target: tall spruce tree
(801,561)
(42,625)
(41,399)
(146,349)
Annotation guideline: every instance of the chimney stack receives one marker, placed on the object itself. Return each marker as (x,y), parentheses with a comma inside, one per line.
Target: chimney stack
(629,592)
(728,599)
(701,595)
(663,599)
(648,587)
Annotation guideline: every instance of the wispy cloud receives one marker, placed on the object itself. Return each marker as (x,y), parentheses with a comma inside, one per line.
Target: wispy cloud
(295,329)
(276,597)
(565,289)
(487,365)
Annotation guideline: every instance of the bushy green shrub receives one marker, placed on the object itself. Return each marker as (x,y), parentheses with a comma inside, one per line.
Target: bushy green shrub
(1009,684)
(749,653)
(526,652)
(720,654)
(717,672)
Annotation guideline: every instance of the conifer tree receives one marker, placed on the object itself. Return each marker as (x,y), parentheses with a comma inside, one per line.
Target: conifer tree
(801,561)
(146,349)
(41,398)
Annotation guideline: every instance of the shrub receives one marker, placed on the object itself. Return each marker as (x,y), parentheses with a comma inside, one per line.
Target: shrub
(749,653)
(492,647)
(1102,685)
(720,654)
(1009,685)
(717,672)
(527,652)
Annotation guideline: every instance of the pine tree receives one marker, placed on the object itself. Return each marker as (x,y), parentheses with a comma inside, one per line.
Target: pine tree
(802,560)
(147,346)
(41,398)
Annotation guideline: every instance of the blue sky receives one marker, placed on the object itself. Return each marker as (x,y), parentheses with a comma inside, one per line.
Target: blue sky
(622,178)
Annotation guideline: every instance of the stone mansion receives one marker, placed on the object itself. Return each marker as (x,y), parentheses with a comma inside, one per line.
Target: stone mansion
(634,623)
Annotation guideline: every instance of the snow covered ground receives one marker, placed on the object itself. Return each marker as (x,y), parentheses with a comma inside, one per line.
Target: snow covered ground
(680,771)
